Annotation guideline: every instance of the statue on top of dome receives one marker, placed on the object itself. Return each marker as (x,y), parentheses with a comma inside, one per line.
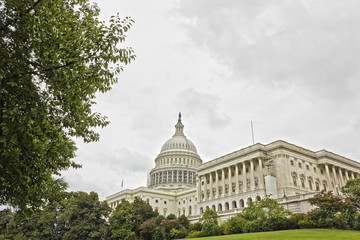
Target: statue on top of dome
(179,116)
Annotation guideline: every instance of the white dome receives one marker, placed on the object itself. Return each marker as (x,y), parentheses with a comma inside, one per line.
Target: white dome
(179,140)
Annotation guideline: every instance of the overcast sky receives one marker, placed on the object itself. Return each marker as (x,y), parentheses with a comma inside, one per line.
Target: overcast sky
(291,67)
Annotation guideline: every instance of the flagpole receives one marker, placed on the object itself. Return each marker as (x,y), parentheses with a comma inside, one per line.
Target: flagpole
(252,132)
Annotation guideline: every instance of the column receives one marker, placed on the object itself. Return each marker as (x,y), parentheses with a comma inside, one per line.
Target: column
(252,177)
(205,187)
(236,178)
(244,178)
(199,187)
(230,180)
(341,177)
(335,176)
(261,174)
(352,175)
(328,177)
(223,181)
(217,183)
(346,175)
(211,186)
(188,177)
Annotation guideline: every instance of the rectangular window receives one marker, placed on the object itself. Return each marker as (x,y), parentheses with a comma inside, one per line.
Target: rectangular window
(299,165)
(292,162)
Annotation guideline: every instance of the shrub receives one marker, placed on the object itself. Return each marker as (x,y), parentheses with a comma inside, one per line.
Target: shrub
(304,224)
(195,227)
(234,225)
(197,234)
(207,228)
(175,233)
(253,226)
(184,221)
(217,230)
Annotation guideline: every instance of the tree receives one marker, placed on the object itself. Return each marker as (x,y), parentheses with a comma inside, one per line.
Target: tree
(122,223)
(142,212)
(352,192)
(209,216)
(329,205)
(80,216)
(85,217)
(54,57)
(266,208)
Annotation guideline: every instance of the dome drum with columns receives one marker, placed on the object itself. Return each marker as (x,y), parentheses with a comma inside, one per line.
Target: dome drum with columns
(177,163)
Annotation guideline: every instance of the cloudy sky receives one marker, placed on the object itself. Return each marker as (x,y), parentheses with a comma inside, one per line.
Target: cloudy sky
(291,67)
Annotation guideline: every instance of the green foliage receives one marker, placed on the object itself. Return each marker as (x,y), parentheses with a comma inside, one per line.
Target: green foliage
(234,225)
(209,216)
(142,212)
(147,229)
(159,219)
(197,234)
(304,224)
(352,192)
(80,216)
(195,227)
(178,233)
(329,205)
(85,217)
(54,57)
(171,216)
(184,221)
(266,208)
(122,222)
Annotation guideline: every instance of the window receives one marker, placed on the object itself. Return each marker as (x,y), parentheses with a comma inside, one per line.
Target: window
(317,186)
(299,165)
(164,202)
(314,169)
(292,162)
(156,201)
(294,180)
(307,167)
(302,182)
(310,185)
(247,169)
(322,172)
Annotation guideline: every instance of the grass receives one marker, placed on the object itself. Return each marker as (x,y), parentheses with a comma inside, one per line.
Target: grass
(308,234)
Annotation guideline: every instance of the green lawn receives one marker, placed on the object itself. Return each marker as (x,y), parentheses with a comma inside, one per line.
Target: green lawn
(311,234)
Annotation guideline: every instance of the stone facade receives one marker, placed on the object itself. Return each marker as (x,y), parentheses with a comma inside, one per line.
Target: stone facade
(181,184)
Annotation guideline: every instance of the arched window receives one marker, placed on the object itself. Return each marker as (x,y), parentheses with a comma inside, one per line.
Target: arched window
(213,207)
(258,198)
(302,182)
(189,210)
(226,206)
(234,205)
(201,210)
(317,186)
(219,207)
(242,203)
(324,186)
(249,199)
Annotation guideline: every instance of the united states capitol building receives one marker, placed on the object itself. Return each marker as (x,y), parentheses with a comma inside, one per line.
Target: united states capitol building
(180,183)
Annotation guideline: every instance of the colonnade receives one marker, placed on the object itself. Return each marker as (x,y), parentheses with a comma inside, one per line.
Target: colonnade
(240,178)
(338,176)
(172,176)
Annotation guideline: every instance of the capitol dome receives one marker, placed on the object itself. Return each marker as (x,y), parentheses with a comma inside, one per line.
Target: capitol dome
(177,162)
(179,140)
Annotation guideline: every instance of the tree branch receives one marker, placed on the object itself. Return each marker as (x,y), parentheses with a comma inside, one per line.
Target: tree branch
(20,16)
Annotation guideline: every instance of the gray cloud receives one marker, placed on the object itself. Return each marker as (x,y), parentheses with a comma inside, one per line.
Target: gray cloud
(313,44)
(203,106)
